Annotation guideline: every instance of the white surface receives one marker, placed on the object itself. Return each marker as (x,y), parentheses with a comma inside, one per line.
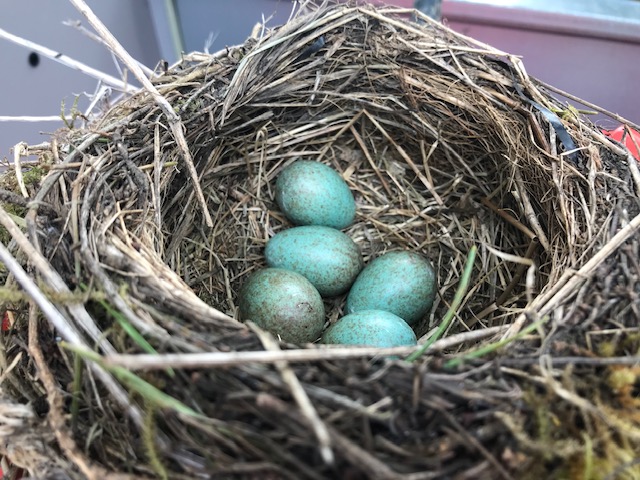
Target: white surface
(39,91)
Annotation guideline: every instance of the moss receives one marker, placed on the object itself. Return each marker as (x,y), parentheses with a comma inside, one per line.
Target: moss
(607,349)
(16,212)
(572,444)
(33,175)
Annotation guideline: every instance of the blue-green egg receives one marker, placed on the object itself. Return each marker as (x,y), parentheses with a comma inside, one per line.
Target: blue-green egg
(311,193)
(284,303)
(402,283)
(375,328)
(326,257)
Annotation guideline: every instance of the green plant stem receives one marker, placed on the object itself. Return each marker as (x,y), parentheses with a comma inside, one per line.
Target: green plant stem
(132,332)
(129,329)
(135,383)
(148,435)
(77,388)
(457,301)
(492,347)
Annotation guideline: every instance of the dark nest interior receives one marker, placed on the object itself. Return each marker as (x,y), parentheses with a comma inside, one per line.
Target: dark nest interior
(148,220)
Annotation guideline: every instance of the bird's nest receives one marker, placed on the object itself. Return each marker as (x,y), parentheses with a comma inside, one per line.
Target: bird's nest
(150,219)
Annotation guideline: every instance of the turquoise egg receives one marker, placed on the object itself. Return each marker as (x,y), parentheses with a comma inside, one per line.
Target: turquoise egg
(311,193)
(326,257)
(375,328)
(284,303)
(402,283)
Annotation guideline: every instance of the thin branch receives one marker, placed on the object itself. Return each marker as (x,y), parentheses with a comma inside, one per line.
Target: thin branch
(78,26)
(173,118)
(586,103)
(563,361)
(68,62)
(316,354)
(31,118)
(226,359)
(65,330)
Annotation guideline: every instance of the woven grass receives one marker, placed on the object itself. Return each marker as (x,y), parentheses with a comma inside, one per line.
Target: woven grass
(446,147)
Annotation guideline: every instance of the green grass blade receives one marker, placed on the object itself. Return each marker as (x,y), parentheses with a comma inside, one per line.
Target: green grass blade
(132,332)
(135,383)
(128,328)
(492,347)
(455,304)
(78,366)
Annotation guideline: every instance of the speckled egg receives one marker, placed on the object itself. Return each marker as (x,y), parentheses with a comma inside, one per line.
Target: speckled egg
(326,257)
(311,193)
(375,328)
(284,303)
(402,283)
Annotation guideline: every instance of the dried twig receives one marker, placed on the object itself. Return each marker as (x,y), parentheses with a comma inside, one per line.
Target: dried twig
(301,397)
(56,414)
(228,359)
(30,118)
(78,26)
(173,118)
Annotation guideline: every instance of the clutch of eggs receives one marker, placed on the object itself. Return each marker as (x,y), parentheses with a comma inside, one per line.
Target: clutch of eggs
(315,259)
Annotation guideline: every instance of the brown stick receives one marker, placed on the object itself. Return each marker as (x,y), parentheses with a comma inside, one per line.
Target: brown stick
(56,416)
(370,465)
(66,329)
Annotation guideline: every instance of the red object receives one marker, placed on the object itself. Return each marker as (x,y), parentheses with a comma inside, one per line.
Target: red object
(17,475)
(630,135)
(6,325)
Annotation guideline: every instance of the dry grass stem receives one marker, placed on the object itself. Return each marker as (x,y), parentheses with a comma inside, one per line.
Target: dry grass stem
(300,396)
(174,120)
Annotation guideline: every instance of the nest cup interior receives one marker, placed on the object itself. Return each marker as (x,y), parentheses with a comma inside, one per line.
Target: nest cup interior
(408,198)
(435,166)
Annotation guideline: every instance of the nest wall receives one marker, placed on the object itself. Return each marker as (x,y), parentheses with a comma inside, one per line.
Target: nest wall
(419,164)
(441,142)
